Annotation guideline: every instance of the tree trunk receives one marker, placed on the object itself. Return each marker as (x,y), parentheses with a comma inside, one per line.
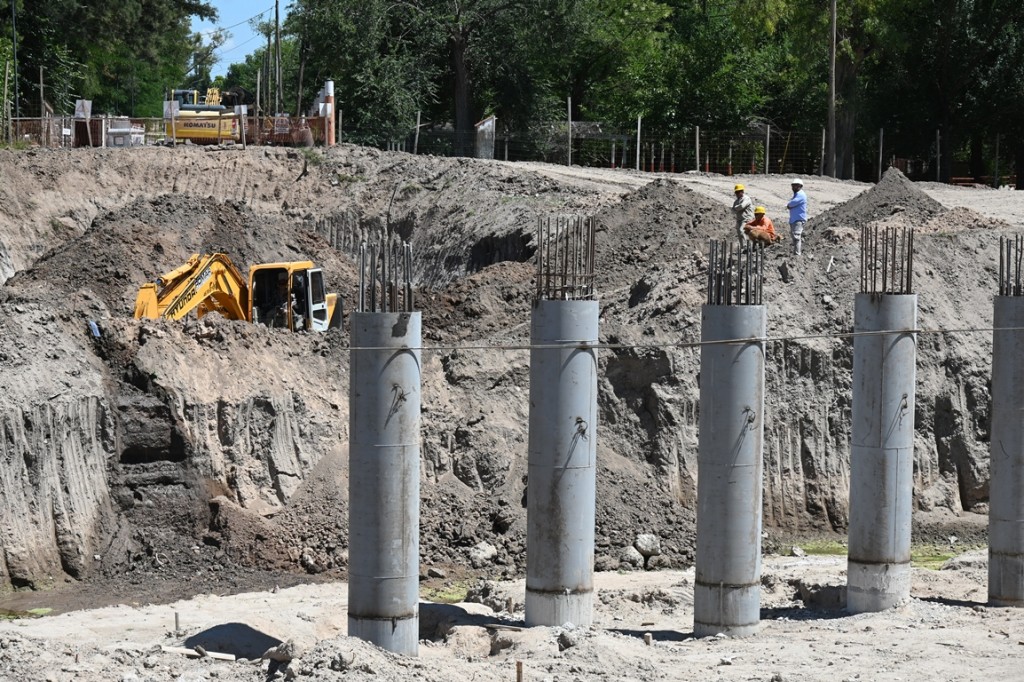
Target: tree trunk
(463,119)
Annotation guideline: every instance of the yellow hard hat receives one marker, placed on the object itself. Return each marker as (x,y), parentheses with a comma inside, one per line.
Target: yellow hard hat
(759,210)
(738,188)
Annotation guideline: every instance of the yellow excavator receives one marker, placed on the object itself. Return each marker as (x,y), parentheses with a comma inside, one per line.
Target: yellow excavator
(201,119)
(290,294)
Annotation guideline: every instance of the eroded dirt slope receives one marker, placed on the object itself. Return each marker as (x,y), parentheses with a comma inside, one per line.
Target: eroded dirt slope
(215,449)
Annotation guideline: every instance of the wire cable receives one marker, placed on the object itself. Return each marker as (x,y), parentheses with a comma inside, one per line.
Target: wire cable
(587,345)
(244,21)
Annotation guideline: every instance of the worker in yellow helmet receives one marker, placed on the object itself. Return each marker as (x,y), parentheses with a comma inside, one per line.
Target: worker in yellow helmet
(761,228)
(742,209)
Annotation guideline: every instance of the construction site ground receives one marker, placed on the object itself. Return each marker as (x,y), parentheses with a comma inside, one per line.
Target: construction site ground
(200,467)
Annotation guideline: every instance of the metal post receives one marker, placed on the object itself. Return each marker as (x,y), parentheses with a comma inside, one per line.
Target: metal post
(7,110)
(727,591)
(1006,448)
(821,165)
(833,22)
(767,147)
(882,450)
(416,139)
(329,111)
(638,143)
(384,480)
(881,146)
(938,157)
(696,143)
(42,108)
(569,106)
(562,463)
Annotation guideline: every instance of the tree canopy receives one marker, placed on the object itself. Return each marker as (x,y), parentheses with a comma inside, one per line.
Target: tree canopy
(909,66)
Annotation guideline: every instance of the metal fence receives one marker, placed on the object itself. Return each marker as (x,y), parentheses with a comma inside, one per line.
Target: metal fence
(66,131)
(755,150)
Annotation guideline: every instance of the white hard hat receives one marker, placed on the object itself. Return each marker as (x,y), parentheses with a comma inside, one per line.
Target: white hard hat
(796,181)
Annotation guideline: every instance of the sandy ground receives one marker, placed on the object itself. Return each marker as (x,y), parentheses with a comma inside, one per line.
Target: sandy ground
(944,632)
(773,191)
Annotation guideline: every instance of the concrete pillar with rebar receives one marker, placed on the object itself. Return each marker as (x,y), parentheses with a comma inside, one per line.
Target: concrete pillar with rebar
(562,483)
(384,454)
(727,591)
(1006,445)
(882,433)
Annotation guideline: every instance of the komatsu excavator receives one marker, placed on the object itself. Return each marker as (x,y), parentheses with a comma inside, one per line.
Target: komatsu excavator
(291,295)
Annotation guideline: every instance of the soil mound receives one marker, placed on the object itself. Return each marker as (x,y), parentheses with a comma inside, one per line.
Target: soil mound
(894,200)
(961,218)
(148,237)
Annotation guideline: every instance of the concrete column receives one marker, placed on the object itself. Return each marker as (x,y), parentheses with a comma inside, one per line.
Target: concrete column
(329,101)
(384,481)
(727,592)
(562,464)
(881,452)
(1006,453)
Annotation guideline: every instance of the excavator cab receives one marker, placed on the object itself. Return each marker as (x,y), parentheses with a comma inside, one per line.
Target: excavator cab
(292,296)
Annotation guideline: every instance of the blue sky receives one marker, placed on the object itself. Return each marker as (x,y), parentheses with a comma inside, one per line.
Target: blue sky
(234,18)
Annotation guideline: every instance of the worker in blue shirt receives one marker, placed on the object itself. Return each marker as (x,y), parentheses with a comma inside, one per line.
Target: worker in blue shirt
(797,214)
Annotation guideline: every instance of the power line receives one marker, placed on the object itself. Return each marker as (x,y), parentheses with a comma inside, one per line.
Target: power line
(221,53)
(245,21)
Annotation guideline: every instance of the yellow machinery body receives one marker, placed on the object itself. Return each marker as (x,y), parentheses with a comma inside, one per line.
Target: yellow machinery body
(201,119)
(290,295)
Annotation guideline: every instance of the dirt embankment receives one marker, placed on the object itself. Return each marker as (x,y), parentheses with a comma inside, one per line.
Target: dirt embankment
(215,449)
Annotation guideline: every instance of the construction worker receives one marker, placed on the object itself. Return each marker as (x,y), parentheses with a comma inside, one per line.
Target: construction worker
(797,213)
(761,228)
(742,209)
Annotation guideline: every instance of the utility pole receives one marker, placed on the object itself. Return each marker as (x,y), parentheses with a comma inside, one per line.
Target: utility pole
(277,70)
(14,37)
(830,154)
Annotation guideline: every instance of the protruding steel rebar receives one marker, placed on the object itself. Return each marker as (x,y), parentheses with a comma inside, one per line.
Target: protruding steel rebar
(565,258)
(886,258)
(386,265)
(735,277)
(1011,261)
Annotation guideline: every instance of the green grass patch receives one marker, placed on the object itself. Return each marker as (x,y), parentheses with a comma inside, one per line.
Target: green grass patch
(451,593)
(7,614)
(345,177)
(312,156)
(931,556)
(921,556)
(824,548)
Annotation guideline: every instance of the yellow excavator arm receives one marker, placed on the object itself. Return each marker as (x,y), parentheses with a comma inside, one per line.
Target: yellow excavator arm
(206,283)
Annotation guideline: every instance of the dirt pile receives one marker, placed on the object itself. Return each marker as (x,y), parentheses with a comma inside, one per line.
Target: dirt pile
(893,202)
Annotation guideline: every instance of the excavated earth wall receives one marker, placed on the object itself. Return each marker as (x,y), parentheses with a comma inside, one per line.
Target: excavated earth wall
(196,451)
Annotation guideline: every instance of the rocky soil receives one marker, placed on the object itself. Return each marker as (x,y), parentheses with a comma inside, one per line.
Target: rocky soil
(165,459)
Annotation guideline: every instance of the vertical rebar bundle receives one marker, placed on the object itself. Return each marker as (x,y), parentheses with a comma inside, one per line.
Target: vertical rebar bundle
(565,258)
(882,433)
(562,483)
(1011,255)
(886,260)
(727,591)
(385,277)
(735,275)
(1006,445)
